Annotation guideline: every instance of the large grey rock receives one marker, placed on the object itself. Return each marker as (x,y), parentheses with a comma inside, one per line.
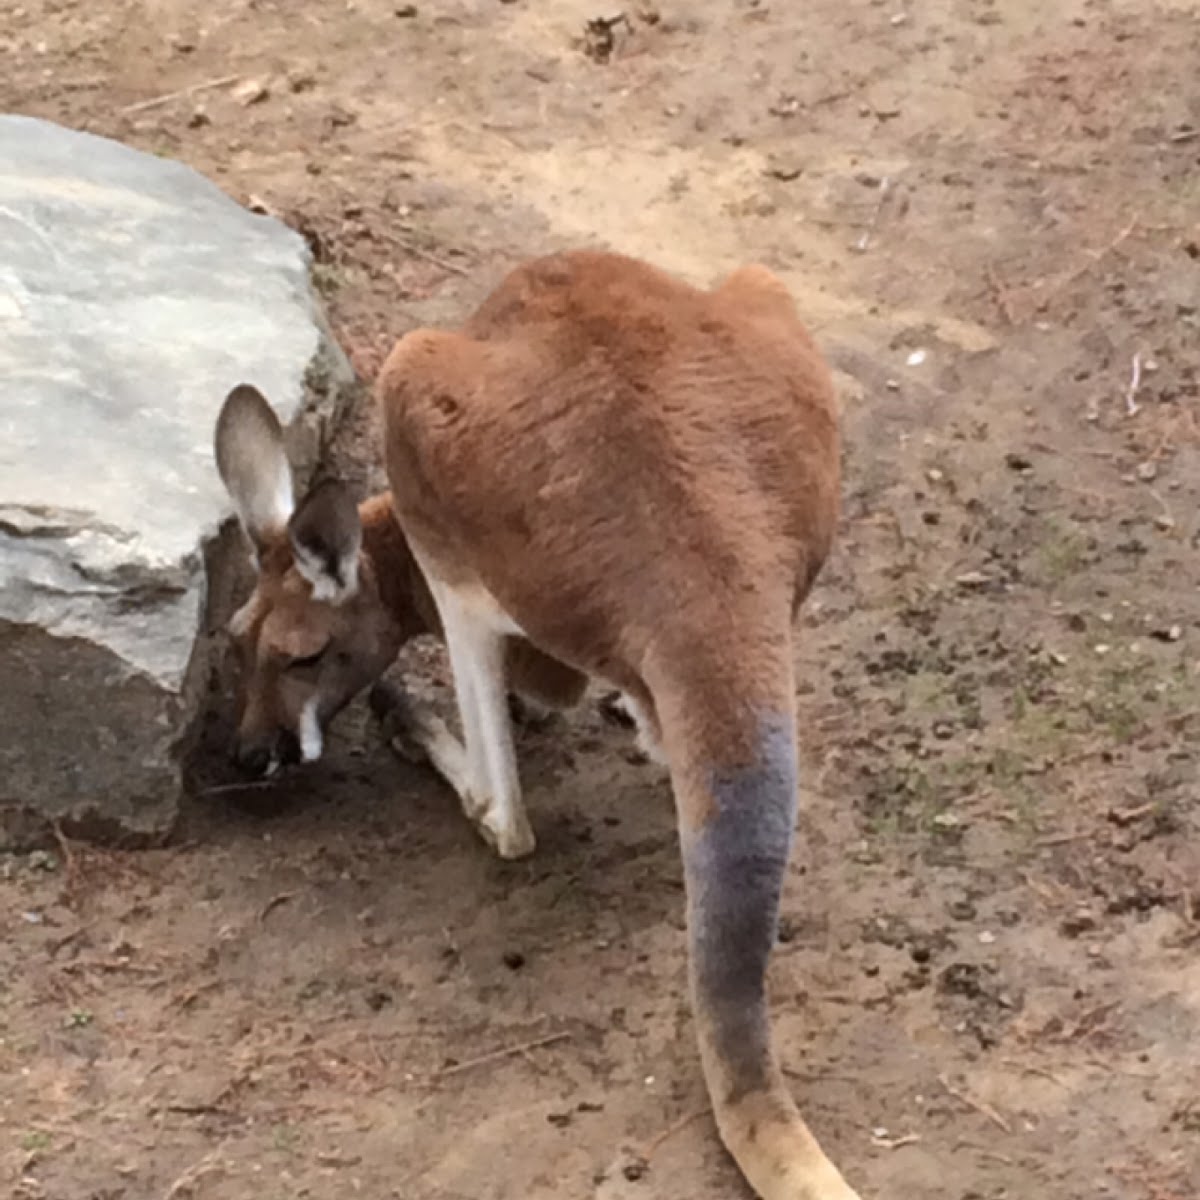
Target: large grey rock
(133,295)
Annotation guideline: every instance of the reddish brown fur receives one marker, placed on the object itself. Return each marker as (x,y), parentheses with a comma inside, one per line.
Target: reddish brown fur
(522,374)
(644,477)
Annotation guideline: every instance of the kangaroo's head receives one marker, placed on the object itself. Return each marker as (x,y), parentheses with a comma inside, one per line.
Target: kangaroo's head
(315,630)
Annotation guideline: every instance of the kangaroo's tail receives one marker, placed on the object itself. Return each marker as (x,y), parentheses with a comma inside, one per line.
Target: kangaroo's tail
(729,733)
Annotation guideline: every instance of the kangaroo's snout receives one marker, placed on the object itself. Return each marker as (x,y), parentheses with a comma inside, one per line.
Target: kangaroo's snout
(259,756)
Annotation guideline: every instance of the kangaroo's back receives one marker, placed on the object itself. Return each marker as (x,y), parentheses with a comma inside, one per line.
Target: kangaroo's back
(641,439)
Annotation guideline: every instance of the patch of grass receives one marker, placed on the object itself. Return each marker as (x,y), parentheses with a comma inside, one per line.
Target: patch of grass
(35,1141)
(1121,698)
(998,724)
(1062,551)
(1007,767)
(929,691)
(1040,730)
(284,1138)
(328,279)
(915,796)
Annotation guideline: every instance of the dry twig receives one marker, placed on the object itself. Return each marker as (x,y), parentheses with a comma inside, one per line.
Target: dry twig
(199,1110)
(978,1105)
(63,942)
(1132,407)
(896,1143)
(185,1184)
(101,964)
(411,246)
(250,785)
(167,97)
(656,1142)
(274,903)
(70,863)
(1127,816)
(1060,839)
(1030,1069)
(1094,256)
(505,1052)
(1001,295)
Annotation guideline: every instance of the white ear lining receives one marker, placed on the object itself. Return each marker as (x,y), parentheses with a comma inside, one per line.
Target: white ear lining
(283,502)
(252,462)
(270,503)
(326,587)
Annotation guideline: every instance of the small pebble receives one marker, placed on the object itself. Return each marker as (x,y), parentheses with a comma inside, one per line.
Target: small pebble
(633,1171)
(1081,921)
(251,91)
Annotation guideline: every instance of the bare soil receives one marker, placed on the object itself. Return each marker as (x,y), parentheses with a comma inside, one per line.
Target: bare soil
(988,982)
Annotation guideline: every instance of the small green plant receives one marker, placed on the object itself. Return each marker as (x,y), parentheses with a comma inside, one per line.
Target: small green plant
(1062,551)
(283,1137)
(78,1018)
(35,1140)
(328,279)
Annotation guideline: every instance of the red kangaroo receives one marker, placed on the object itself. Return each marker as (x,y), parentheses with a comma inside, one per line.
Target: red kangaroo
(630,479)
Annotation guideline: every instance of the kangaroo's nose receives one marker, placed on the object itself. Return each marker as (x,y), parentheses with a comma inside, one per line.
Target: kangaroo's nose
(254,758)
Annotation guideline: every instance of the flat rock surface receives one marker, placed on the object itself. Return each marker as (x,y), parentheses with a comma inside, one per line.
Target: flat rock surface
(133,295)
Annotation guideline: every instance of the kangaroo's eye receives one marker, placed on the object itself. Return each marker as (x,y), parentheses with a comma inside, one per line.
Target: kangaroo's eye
(309,660)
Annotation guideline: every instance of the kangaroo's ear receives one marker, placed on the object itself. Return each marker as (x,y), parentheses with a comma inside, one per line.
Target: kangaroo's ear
(253,463)
(326,535)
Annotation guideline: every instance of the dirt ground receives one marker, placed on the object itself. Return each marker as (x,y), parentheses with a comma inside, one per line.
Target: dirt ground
(988,978)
